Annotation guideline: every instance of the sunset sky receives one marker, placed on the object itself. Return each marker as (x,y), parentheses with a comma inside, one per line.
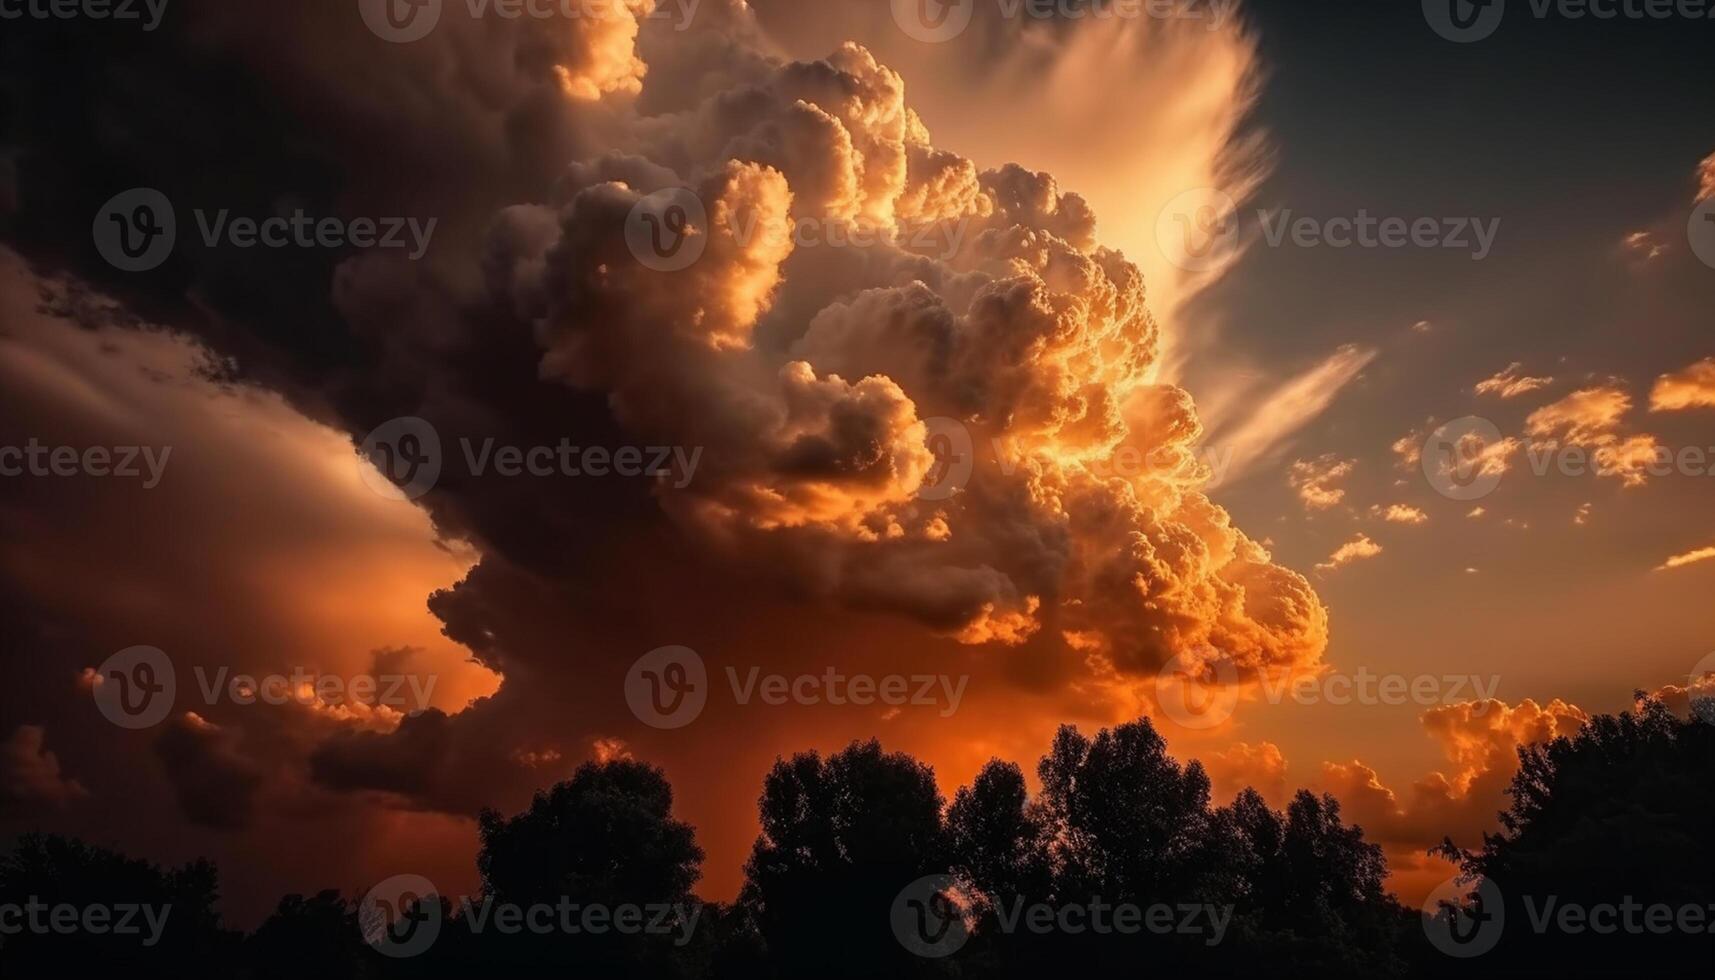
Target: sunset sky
(1064,319)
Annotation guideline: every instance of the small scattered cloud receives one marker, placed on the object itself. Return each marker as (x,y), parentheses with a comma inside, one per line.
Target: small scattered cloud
(1422,326)
(1400,514)
(30,775)
(1590,419)
(1511,382)
(1693,387)
(1583,516)
(1477,512)
(1357,549)
(1644,244)
(1315,479)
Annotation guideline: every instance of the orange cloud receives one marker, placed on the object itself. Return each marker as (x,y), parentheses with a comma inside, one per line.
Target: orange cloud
(1511,383)
(1314,480)
(1357,549)
(1693,387)
(1589,418)
(1688,558)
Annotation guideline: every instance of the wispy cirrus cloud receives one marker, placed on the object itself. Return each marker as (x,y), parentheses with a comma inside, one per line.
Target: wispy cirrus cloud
(1511,382)
(1688,558)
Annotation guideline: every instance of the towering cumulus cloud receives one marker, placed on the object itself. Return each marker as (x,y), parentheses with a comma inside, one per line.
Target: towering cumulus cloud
(923,393)
(809,371)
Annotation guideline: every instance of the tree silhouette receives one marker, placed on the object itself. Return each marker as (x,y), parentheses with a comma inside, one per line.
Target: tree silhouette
(49,871)
(1621,812)
(607,835)
(605,838)
(839,840)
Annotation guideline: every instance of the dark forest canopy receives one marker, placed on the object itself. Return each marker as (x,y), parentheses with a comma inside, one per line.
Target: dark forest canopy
(863,869)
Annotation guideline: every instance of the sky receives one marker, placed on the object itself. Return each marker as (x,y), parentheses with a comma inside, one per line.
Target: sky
(1013,372)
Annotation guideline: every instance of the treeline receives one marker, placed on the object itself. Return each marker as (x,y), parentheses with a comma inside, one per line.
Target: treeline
(1120,864)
